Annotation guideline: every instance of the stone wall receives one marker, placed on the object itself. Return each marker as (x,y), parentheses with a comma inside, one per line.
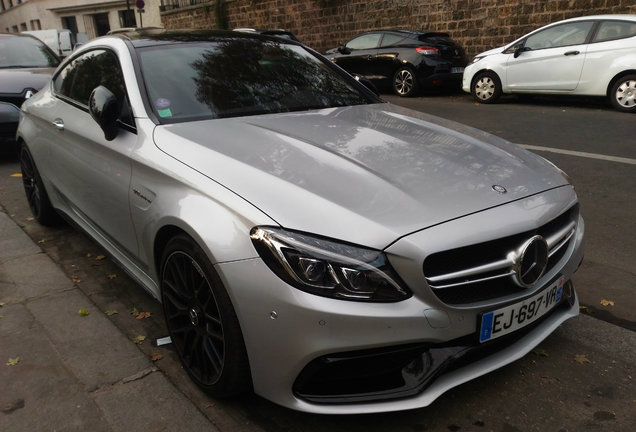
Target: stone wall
(477,25)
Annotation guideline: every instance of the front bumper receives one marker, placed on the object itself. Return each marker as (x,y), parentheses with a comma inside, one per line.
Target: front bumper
(329,356)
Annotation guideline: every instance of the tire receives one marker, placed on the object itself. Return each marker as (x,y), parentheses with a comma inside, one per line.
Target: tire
(39,203)
(623,94)
(201,320)
(486,87)
(404,82)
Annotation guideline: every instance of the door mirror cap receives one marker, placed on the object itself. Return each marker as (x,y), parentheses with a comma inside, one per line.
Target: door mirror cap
(344,50)
(518,49)
(105,110)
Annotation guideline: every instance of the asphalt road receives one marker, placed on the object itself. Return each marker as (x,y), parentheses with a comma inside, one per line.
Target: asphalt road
(579,379)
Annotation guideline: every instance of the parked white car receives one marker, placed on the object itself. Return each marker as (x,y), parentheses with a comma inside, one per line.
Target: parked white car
(593,56)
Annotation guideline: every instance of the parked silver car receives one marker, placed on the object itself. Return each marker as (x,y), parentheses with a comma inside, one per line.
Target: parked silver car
(335,253)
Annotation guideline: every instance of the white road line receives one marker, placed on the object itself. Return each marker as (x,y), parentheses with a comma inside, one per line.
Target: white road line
(624,160)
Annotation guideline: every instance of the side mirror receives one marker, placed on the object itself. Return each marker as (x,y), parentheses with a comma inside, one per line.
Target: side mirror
(518,49)
(105,110)
(344,50)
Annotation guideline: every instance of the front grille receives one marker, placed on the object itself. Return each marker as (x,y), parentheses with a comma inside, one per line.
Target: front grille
(485,271)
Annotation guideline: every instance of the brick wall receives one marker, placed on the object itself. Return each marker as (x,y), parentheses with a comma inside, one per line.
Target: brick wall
(477,25)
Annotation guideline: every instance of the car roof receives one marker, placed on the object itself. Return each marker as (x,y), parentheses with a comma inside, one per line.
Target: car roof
(408,33)
(141,38)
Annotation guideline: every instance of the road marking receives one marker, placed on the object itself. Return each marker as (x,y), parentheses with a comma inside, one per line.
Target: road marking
(624,160)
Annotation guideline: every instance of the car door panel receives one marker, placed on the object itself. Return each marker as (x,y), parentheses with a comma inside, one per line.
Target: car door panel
(546,69)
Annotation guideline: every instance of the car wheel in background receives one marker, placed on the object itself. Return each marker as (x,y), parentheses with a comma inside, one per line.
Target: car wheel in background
(623,94)
(201,320)
(36,195)
(486,87)
(404,82)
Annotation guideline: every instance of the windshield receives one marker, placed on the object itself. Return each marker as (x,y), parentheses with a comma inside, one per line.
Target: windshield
(239,77)
(25,52)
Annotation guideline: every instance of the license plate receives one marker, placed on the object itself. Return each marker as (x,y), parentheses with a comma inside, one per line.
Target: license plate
(457,70)
(507,319)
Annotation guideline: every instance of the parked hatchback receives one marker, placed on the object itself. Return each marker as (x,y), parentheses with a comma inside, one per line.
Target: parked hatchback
(593,56)
(26,64)
(407,61)
(335,253)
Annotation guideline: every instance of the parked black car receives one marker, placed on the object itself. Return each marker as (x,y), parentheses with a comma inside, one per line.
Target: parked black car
(408,61)
(26,64)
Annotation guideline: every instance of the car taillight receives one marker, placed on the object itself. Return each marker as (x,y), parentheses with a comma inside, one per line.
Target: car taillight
(426,50)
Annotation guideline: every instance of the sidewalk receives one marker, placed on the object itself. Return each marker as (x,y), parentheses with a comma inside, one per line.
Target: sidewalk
(73,373)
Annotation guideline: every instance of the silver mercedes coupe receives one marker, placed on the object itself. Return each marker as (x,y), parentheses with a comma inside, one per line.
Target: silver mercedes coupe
(331,252)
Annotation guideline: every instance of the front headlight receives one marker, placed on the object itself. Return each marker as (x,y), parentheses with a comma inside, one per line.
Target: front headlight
(329,268)
(476,59)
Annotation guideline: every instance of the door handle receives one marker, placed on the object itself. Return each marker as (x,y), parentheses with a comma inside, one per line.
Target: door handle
(58,123)
(569,53)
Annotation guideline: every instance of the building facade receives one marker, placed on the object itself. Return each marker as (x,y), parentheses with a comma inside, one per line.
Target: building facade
(93,17)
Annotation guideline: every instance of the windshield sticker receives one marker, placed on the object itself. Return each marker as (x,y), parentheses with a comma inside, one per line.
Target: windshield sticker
(164,112)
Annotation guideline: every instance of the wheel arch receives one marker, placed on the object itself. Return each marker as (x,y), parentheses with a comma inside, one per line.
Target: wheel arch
(485,70)
(617,77)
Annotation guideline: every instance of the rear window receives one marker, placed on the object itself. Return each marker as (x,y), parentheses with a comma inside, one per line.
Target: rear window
(25,52)
(239,77)
(611,30)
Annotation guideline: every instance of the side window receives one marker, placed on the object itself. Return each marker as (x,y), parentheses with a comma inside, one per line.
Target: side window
(610,30)
(561,35)
(391,39)
(99,67)
(368,41)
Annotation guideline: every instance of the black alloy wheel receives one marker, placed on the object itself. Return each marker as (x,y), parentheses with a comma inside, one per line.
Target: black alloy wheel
(486,87)
(623,94)
(201,320)
(39,203)
(404,82)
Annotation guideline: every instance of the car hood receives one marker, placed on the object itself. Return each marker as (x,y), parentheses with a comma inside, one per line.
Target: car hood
(15,81)
(366,174)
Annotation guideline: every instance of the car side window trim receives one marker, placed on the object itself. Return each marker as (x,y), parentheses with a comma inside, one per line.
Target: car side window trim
(590,31)
(127,125)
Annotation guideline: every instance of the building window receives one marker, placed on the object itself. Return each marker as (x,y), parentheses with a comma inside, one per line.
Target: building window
(102,26)
(127,18)
(23,27)
(14,29)
(35,24)
(69,22)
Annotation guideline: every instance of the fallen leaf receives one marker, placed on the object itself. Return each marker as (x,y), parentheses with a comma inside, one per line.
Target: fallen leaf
(585,309)
(75,280)
(581,358)
(142,315)
(88,255)
(111,312)
(13,361)
(156,356)
(540,352)
(112,276)
(139,339)
(16,175)
(134,311)
(1,304)
(100,257)
(42,241)
(83,312)
(607,302)
(30,219)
